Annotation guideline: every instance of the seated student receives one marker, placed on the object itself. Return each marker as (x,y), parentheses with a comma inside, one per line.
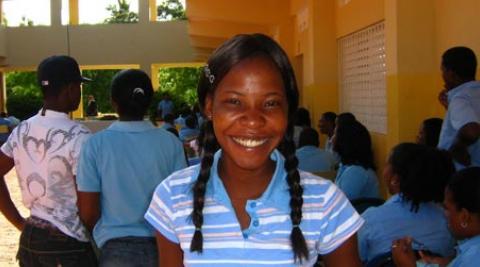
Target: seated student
(356,174)
(118,170)
(326,124)
(302,120)
(429,132)
(345,117)
(416,176)
(168,121)
(462,209)
(190,131)
(310,157)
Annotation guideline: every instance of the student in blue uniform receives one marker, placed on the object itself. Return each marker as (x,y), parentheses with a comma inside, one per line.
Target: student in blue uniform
(118,171)
(416,177)
(310,157)
(247,203)
(462,209)
(356,175)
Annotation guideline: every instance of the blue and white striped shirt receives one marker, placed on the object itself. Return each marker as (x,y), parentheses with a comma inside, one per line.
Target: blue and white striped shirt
(328,219)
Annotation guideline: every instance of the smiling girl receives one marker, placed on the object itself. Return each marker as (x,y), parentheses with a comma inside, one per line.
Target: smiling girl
(247,204)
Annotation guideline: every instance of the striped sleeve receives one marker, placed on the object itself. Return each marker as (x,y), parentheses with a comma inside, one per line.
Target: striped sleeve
(341,222)
(160,213)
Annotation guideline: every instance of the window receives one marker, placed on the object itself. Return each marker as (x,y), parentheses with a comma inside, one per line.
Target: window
(362,73)
(171,10)
(26,12)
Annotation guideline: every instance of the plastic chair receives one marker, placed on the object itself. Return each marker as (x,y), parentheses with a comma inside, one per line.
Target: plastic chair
(361,204)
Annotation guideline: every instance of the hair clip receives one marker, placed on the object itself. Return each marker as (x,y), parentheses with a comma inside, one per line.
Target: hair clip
(295,226)
(138,90)
(198,229)
(208,74)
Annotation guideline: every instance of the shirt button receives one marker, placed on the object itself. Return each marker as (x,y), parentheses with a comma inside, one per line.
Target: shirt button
(255,223)
(253,205)
(245,235)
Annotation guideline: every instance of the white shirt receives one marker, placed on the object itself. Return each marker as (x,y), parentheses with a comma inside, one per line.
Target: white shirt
(45,150)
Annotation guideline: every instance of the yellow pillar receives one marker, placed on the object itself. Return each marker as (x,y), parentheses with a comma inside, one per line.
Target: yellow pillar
(73,12)
(153,10)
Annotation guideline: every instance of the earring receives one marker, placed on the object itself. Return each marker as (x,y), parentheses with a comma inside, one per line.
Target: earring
(464,225)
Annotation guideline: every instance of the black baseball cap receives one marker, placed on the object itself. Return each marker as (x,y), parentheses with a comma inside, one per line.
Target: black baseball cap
(59,70)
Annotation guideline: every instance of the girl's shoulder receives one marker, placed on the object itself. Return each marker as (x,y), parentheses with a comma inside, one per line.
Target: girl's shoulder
(316,185)
(181,181)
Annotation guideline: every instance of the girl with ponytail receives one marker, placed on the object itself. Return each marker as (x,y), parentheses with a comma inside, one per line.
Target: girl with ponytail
(246,203)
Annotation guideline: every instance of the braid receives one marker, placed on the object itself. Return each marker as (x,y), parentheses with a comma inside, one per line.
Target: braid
(209,146)
(299,245)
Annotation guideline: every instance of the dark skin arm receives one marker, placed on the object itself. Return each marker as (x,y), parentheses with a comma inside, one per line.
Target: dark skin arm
(6,204)
(89,208)
(466,136)
(169,254)
(345,255)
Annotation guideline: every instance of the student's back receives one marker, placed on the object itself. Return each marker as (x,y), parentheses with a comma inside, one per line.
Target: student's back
(118,171)
(310,157)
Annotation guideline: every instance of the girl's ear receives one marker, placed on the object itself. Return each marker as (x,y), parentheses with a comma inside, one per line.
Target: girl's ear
(466,217)
(208,106)
(114,104)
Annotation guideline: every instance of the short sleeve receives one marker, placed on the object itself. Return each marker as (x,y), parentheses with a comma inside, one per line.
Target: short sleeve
(461,112)
(7,147)
(160,213)
(88,178)
(351,181)
(340,223)
(363,238)
(80,140)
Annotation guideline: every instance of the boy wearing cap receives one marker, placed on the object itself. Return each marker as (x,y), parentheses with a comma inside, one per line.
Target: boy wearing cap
(44,150)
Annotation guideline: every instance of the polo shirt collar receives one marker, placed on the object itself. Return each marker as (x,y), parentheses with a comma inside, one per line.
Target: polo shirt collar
(53,114)
(458,89)
(276,195)
(466,244)
(131,126)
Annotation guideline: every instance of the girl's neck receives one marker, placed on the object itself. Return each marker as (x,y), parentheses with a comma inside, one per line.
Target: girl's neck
(242,183)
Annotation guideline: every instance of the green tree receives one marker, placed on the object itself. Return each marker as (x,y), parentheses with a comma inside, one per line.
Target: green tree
(24,97)
(99,87)
(171,10)
(4,21)
(121,13)
(26,22)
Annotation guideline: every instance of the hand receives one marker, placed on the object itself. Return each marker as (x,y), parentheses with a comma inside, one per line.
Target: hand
(402,253)
(434,260)
(443,98)
(460,154)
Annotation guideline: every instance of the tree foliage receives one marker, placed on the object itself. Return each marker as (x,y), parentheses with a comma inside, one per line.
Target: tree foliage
(121,13)
(99,87)
(24,97)
(171,10)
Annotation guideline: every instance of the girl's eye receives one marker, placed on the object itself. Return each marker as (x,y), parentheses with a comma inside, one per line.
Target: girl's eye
(272,103)
(233,101)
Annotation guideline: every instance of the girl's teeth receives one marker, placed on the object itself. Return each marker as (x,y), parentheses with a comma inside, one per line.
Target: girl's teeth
(250,142)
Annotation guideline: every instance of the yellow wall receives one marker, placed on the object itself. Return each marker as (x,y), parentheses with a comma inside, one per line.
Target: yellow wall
(357,14)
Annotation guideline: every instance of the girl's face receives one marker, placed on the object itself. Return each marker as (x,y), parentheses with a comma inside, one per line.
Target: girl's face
(249,111)
(454,216)
(391,180)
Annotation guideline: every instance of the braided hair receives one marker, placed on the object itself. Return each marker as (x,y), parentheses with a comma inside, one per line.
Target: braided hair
(223,59)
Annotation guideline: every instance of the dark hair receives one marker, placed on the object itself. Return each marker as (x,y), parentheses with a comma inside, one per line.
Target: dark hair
(308,137)
(173,131)
(330,116)
(224,58)
(353,144)
(169,117)
(465,189)
(191,121)
(431,130)
(345,117)
(302,117)
(132,91)
(462,61)
(423,172)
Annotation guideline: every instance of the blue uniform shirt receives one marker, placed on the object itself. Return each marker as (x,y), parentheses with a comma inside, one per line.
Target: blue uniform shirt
(328,219)
(468,253)
(394,220)
(124,163)
(313,159)
(463,108)
(357,182)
